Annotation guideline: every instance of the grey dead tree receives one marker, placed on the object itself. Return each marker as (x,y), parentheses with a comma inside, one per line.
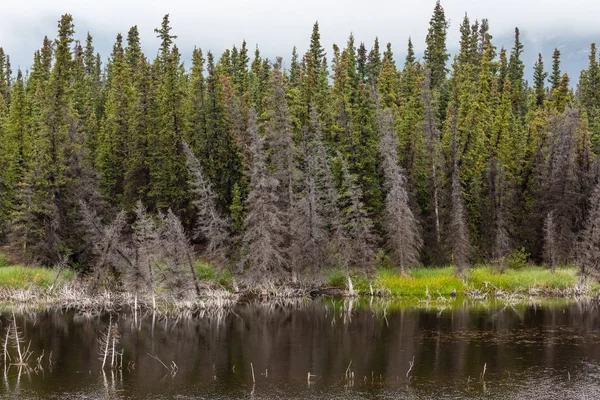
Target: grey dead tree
(458,230)
(118,254)
(589,244)
(156,252)
(108,244)
(550,241)
(433,141)
(358,241)
(403,235)
(264,253)
(283,159)
(176,256)
(210,224)
(144,243)
(314,204)
(307,250)
(501,239)
(561,186)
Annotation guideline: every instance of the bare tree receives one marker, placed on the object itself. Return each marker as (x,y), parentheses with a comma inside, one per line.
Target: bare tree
(432,141)
(263,242)
(358,243)
(458,230)
(211,225)
(309,238)
(589,248)
(177,256)
(550,241)
(404,238)
(315,204)
(107,242)
(561,182)
(157,253)
(501,238)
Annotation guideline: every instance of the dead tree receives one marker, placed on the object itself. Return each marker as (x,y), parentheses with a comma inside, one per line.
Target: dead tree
(107,241)
(210,224)
(501,239)
(263,255)
(358,242)
(458,230)
(433,142)
(550,241)
(561,184)
(589,247)
(315,204)
(403,235)
(157,253)
(177,256)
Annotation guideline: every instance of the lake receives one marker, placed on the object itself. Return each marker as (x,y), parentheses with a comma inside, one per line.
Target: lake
(352,350)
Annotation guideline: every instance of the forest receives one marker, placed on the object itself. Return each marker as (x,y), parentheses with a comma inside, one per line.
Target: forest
(348,159)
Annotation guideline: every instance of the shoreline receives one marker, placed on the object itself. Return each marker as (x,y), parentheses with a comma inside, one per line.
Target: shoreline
(214,302)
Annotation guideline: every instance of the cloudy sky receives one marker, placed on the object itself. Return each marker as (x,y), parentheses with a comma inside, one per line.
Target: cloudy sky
(277,25)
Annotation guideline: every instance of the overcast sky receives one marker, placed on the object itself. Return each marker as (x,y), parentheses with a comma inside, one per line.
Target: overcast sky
(277,25)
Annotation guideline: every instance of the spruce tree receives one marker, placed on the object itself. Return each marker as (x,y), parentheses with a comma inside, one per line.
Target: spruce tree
(114,142)
(556,74)
(515,74)
(401,226)
(589,96)
(436,54)
(539,78)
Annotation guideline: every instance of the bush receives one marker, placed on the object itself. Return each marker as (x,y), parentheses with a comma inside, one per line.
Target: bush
(517,259)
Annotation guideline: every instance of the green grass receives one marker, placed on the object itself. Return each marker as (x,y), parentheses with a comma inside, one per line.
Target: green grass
(19,277)
(444,281)
(523,279)
(419,281)
(206,272)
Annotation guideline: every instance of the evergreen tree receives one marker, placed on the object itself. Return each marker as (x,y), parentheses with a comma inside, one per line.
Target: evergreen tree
(515,73)
(556,76)
(539,78)
(589,96)
(113,147)
(436,55)
(374,63)
(15,152)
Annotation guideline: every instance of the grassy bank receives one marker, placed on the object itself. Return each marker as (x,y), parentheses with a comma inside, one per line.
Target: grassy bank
(21,277)
(419,283)
(480,280)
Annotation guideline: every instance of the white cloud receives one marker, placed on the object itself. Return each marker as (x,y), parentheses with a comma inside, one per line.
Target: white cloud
(279,25)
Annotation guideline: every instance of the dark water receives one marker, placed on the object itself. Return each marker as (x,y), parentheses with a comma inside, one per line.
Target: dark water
(529,352)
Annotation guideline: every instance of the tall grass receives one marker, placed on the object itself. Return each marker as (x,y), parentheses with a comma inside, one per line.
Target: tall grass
(434,282)
(524,279)
(19,277)
(420,281)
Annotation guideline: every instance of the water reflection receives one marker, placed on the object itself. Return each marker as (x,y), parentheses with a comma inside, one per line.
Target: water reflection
(317,349)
